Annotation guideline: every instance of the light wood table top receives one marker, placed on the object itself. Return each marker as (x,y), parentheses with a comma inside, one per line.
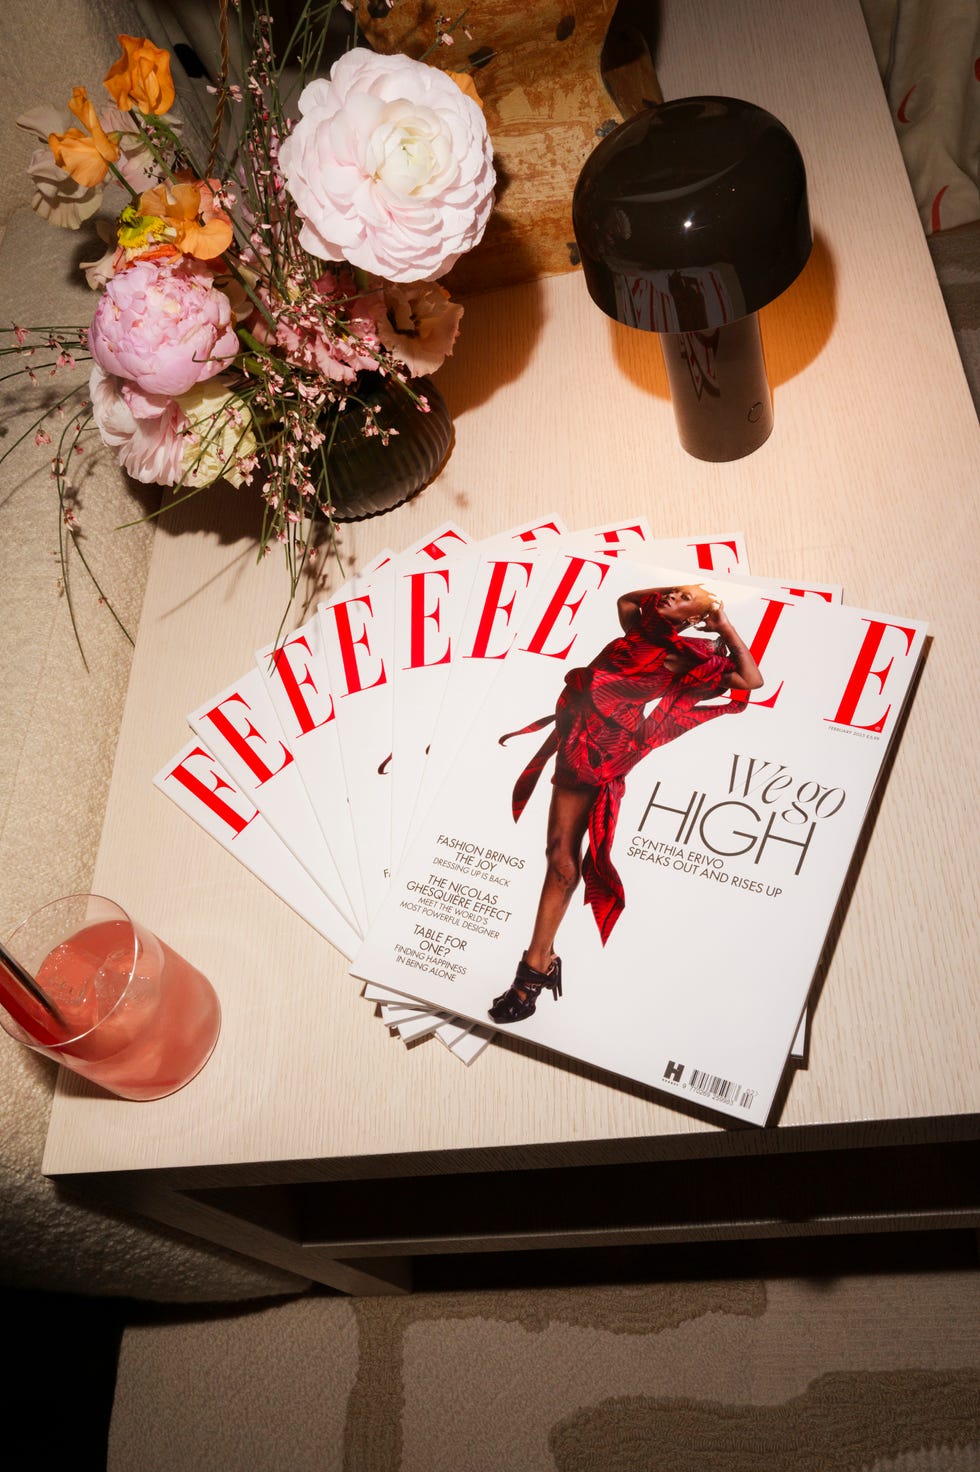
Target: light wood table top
(869,479)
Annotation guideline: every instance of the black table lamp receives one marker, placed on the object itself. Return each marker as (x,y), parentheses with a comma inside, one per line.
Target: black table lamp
(689,217)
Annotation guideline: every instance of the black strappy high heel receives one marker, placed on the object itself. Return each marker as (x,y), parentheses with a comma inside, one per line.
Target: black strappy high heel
(520,999)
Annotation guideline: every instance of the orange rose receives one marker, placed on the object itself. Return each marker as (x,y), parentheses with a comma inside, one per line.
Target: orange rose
(85,159)
(141,77)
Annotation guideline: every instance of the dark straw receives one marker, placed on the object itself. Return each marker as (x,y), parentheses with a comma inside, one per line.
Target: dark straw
(23,979)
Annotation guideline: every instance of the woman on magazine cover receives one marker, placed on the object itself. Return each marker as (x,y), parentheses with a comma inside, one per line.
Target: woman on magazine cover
(601,730)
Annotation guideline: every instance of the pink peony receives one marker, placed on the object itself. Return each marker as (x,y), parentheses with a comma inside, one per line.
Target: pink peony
(165,327)
(391,167)
(147,431)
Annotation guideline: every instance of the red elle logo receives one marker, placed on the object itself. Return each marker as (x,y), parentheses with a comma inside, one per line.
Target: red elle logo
(581,577)
(211,789)
(357,670)
(297,681)
(495,604)
(421,613)
(244,742)
(863,672)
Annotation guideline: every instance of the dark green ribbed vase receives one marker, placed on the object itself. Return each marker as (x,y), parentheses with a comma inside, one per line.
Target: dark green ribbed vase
(368,477)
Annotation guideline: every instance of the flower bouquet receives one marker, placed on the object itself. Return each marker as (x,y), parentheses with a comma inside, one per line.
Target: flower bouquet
(266,315)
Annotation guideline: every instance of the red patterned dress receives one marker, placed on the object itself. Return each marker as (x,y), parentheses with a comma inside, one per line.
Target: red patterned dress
(602,729)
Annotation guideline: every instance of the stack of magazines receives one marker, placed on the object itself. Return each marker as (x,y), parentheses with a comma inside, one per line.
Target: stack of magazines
(595,789)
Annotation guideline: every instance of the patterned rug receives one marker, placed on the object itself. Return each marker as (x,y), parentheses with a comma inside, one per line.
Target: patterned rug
(808,1371)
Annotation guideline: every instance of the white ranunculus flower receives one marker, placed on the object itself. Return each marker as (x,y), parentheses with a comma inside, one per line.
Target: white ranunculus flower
(391,167)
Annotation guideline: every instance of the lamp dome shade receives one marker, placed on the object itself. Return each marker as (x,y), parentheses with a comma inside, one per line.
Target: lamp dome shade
(692,214)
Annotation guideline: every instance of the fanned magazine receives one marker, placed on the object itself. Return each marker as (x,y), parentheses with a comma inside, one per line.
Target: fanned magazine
(461,707)
(696,757)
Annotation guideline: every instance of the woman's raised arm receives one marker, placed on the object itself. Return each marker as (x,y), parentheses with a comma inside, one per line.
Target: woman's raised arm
(629,606)
(747,675)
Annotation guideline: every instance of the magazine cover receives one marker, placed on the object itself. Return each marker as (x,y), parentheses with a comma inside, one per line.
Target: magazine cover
(696,759)
(298,683)
(502,588)
(357,641)
(241,728)
(429,604)
(201,787)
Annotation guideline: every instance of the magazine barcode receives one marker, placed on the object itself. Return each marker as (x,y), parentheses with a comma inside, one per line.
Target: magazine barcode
(714,1087)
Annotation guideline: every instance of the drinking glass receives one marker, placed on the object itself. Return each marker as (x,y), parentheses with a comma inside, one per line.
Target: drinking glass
(126,1011)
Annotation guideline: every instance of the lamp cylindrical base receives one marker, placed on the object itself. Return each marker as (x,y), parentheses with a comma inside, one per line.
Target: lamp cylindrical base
(719,389)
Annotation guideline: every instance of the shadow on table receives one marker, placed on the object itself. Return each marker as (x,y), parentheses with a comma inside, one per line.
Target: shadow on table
(513,322)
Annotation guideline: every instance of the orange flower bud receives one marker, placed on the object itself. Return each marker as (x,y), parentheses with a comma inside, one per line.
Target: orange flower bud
(466,84)
(141,77)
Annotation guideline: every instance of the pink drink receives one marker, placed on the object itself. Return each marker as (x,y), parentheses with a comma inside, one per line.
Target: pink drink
(137,1019)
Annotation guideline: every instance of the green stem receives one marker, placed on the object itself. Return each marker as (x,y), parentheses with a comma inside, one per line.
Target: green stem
(37,367)
(445,31)
(133,193)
